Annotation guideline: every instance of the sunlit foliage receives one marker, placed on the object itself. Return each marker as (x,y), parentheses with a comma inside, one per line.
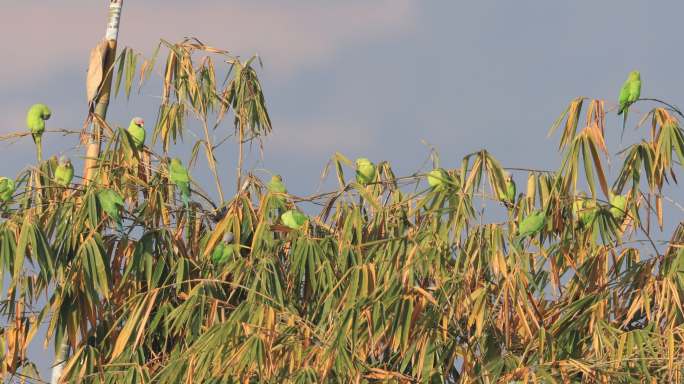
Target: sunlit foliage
(392,280)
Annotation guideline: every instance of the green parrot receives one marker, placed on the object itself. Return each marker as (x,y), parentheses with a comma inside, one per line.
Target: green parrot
(276,186)
(578,205)
(223,250)
(365,171)
(531,225)
(64,172)
(111,202)
(293,219)
(6,189)
(179,176)
(629,93)
(437,178)
(137,131)
(618,206)
(35,121)
(588,212)
(510,189)
(508,195)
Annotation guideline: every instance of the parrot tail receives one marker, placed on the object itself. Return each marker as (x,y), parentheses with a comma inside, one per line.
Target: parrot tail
(185,196)
(38,139)
(624,121)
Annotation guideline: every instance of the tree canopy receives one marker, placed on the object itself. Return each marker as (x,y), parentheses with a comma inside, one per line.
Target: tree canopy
(389,279)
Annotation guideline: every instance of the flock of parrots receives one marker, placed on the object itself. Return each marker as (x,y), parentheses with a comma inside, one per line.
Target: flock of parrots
(112,202)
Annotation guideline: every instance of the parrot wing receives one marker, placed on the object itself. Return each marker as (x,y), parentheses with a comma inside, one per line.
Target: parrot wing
(634,90)
(624,97)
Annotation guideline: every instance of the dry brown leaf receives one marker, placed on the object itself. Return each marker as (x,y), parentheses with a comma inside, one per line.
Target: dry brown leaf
(96,70)
(596,135)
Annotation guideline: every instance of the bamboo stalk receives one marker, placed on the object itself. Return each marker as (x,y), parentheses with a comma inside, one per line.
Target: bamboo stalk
(93,149)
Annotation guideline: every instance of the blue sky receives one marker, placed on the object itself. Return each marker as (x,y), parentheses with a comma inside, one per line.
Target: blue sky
(366,78)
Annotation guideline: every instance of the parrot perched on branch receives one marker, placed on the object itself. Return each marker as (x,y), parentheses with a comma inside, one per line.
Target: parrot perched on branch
(365,171)
(629,93)
(530,226)
(64,172)
(35,121)
(508,195)
(437,178)
(137,131)
(223,250)
(179,176)
(276,186)
(618,207)
(111,202)
(584,209)
(588,212)
(6,189)
(293,219)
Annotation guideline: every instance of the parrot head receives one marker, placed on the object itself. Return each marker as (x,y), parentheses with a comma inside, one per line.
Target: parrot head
(509,178)
(43,111)
(362,161)
(613,192)
(277,178)
(635,75)
(228,237)
(176,162)
(139,122)
(64,161)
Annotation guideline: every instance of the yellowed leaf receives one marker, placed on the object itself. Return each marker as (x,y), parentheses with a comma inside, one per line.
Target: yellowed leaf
(143,321)
(659,210)
(125,335)
(531,187)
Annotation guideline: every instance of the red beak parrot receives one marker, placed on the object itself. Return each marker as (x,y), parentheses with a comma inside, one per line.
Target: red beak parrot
(64,172)
(6,189)
(137,131)
(35,121)
(111,202)
(365,171)
(179,176)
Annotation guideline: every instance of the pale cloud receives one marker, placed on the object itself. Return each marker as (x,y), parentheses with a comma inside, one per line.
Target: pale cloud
(47,37)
